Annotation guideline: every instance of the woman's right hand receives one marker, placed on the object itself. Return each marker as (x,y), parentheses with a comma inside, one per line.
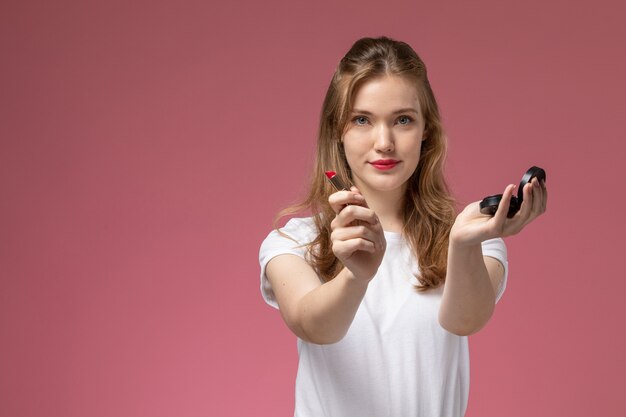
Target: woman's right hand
(357,237)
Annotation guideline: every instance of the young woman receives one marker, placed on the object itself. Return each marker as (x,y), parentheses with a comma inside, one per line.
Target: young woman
(384,283)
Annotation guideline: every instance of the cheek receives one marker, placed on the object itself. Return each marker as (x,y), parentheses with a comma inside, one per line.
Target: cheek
(351,154)
(354,145)
(413,152)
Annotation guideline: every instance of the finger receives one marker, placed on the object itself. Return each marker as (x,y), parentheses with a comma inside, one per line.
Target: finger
(352,213)
(358,192)
(503,207)
(537,198)
(497,223)
(543,195)
(361,230)
(341,199)
(527,203)
(344,249)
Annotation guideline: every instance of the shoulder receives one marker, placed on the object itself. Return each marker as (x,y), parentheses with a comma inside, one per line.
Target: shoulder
(292,238)
(302,229)
(299,230)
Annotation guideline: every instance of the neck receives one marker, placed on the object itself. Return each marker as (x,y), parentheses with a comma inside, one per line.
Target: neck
(388,206)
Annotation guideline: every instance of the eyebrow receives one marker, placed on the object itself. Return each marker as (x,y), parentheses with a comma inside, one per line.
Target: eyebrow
(405,110)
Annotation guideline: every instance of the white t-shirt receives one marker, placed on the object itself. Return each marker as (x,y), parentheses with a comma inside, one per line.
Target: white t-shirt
(395,360)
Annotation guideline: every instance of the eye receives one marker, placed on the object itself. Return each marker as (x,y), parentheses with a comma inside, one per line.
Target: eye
(404,120)
(360,120)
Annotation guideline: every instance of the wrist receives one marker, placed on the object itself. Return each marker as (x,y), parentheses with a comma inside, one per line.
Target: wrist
(352,280)
(464,253)
(458,242)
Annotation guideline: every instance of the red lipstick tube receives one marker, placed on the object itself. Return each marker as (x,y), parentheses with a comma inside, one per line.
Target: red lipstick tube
(336,181)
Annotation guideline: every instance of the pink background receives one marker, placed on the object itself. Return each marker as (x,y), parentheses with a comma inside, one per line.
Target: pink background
(146,146)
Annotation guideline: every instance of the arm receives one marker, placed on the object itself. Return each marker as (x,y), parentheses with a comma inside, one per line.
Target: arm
(315,312)
(322,313)
(470,290)
(472,280)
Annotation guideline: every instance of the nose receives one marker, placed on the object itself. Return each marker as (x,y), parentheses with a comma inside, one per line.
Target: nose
(384,139)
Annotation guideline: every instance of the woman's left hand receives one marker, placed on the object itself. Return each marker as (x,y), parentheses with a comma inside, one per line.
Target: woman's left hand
(472,227)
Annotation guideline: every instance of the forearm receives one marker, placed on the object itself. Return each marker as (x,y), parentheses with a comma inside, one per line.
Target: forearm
(468,297)
(326,312)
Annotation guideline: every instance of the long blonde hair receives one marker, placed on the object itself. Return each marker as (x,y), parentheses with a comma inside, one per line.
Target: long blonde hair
(429,209)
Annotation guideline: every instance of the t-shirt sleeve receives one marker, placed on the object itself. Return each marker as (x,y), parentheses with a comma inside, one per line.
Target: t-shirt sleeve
(495,248)
(302,232)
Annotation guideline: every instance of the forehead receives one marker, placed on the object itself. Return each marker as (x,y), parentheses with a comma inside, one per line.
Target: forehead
(386,94)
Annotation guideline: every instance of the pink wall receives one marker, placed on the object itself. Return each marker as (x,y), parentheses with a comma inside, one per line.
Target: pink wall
(142,147)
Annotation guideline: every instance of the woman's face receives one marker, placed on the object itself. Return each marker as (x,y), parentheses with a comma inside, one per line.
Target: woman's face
(383,139)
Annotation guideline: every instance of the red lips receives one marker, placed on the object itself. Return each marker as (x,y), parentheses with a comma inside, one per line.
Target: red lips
(384,164)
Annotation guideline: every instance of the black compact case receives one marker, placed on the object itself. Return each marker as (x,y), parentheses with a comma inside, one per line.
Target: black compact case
(490,204)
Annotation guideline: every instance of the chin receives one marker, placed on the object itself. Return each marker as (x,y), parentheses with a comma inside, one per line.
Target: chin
(387,186)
